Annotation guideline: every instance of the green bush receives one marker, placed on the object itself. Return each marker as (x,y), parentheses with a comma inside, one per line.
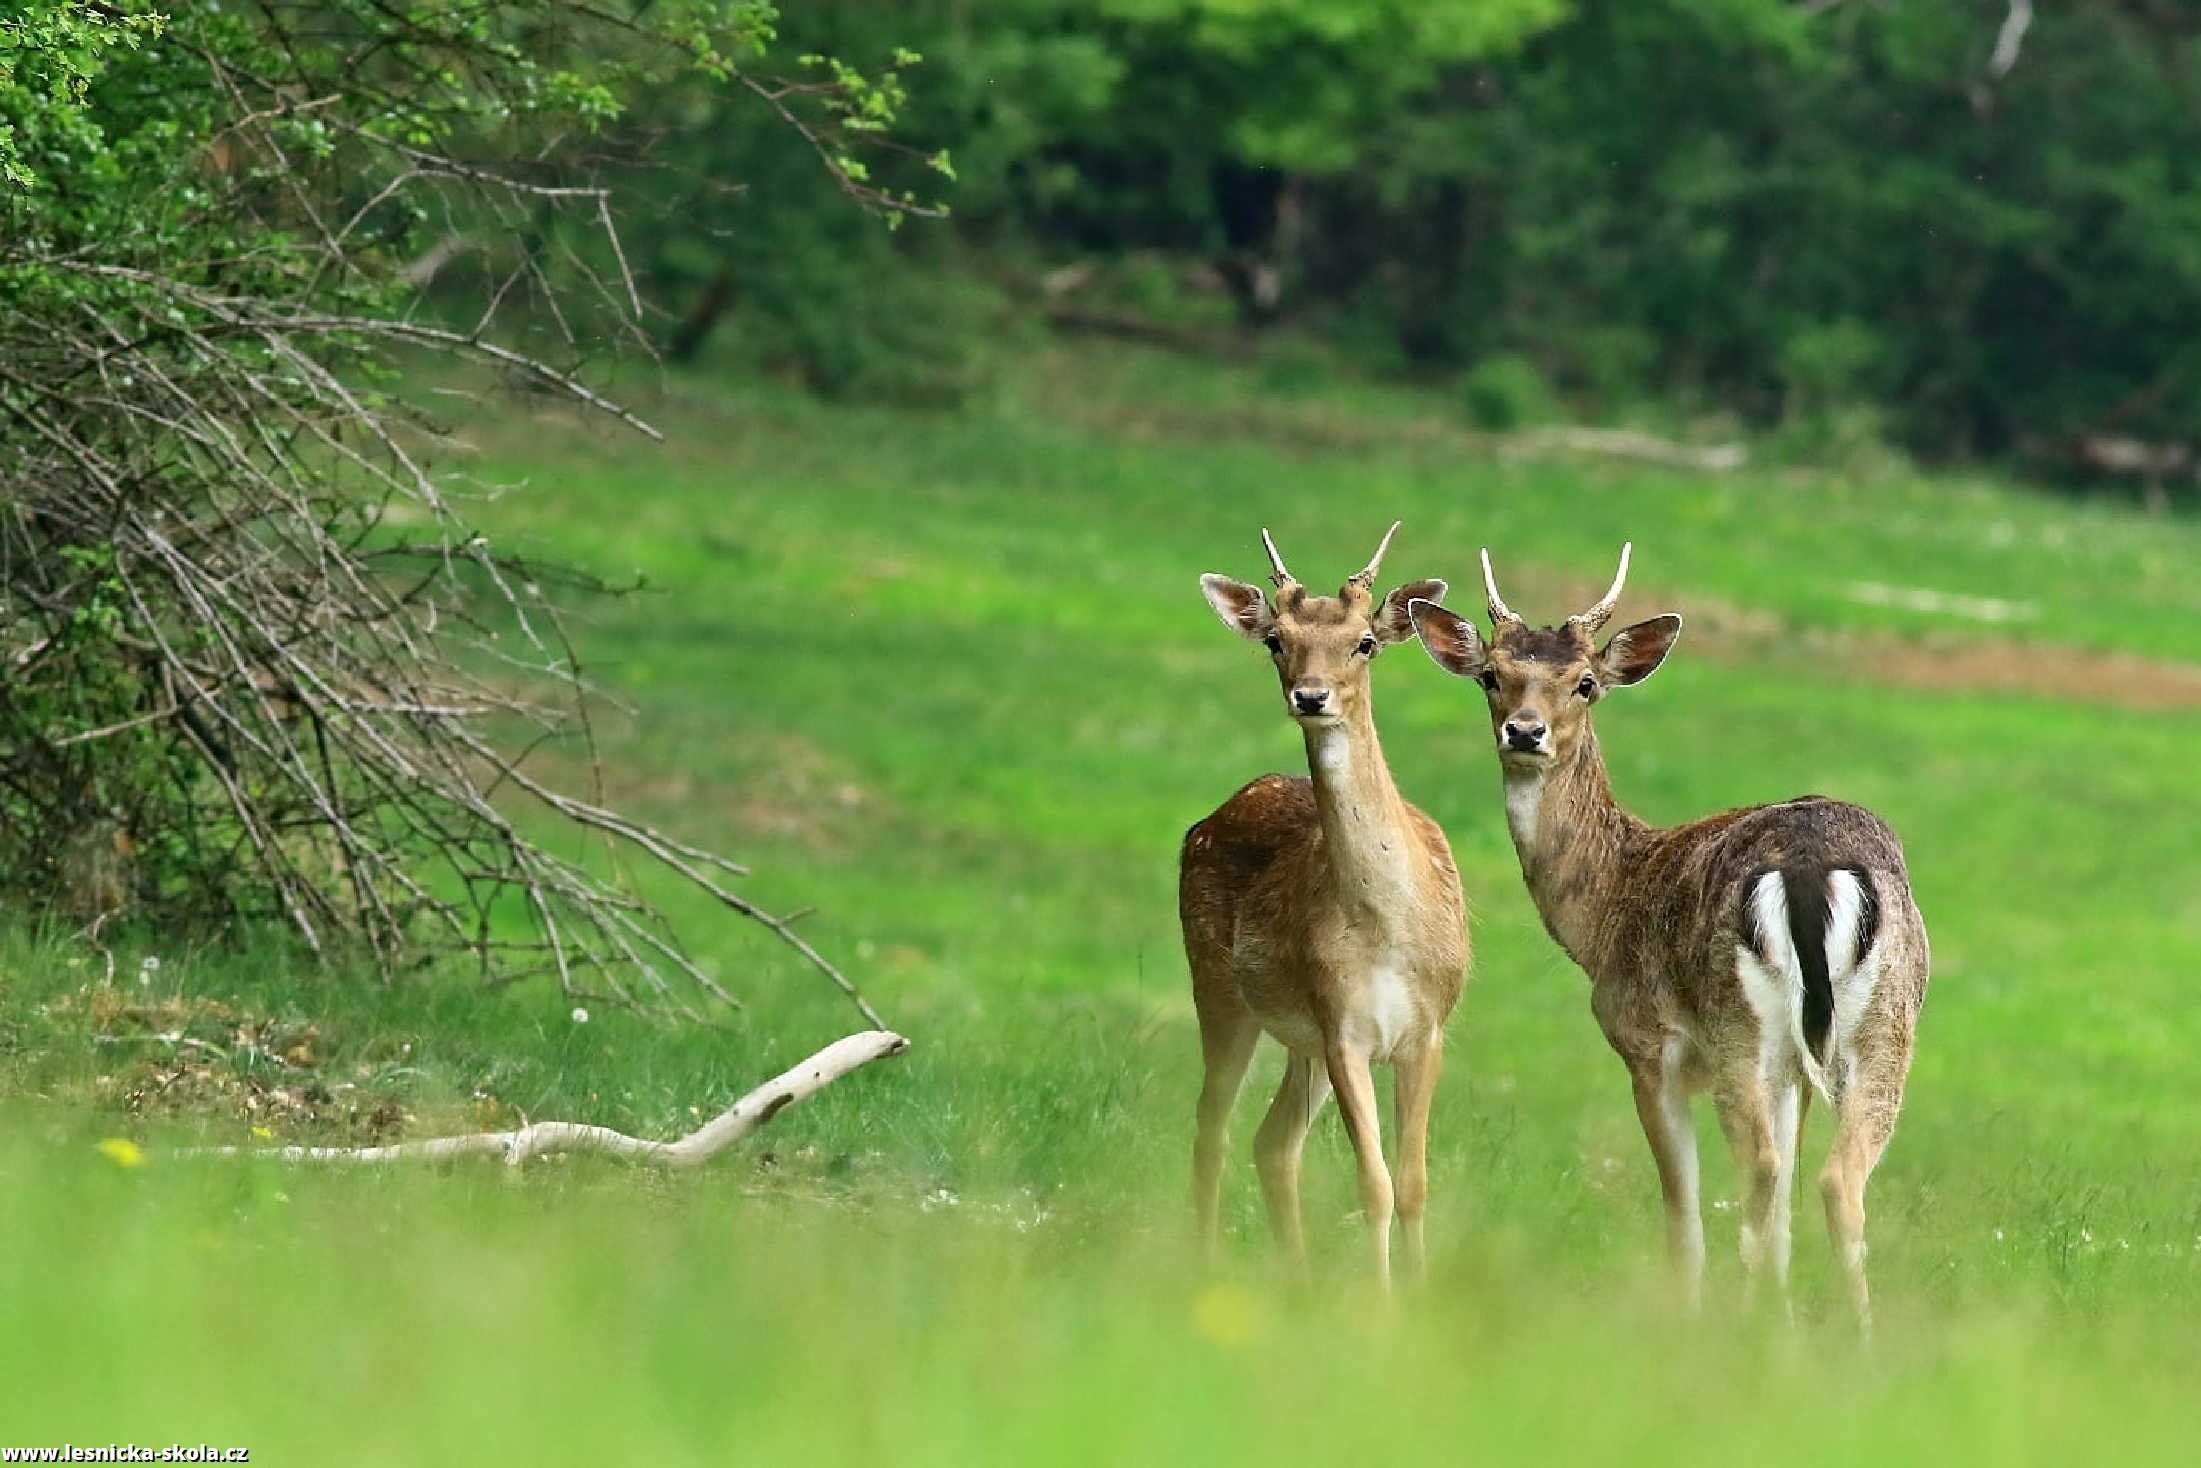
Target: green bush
(1826,367)
(923,338)
(1506,392)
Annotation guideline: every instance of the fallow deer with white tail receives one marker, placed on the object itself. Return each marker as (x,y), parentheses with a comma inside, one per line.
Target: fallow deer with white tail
(1762,953)
(1325,911)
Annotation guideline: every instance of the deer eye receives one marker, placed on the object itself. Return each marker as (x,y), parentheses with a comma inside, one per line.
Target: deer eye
(1273,643)
(1367,644)
(1488,679)
(1586,687)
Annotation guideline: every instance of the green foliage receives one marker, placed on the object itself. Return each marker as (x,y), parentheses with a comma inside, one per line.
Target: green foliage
(1299,84)
(1750,192)
(909,335)
(1646,198)
(1832,364)
(49,53)
(1505,392)
(727,222)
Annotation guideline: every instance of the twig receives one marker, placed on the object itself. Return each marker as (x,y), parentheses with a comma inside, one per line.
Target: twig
(109,730)
(2010,38)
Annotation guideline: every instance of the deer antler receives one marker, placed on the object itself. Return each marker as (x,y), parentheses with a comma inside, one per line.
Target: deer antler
(1597,616)
(1280,576)
(1499,611)
(1365,577)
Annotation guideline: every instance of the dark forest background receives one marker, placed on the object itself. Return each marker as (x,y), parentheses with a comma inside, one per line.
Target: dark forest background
(1965,229)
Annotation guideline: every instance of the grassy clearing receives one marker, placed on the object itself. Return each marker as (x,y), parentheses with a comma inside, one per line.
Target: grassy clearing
(949,678)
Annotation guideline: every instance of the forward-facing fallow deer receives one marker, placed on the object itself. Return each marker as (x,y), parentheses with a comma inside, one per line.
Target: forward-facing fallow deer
(1325,911)
(1761,953)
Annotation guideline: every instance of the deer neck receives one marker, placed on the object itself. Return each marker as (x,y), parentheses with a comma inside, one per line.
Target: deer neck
(1364,825)
(1575,843)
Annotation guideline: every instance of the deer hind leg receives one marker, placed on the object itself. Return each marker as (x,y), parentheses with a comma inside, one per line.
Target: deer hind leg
(1662,1105)
(1226,1046)
(1414,1089)
(1280,1144)
(1866,1119)
(1356,1101)
(1788,1101)
(1760,1120)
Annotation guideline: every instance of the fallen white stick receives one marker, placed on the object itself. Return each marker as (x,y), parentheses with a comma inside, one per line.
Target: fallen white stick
(543,1138)
(1626,444)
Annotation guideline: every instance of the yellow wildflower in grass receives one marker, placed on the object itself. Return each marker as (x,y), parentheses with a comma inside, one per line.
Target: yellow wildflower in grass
(1227,1314)
(263,1134)
(122,1152)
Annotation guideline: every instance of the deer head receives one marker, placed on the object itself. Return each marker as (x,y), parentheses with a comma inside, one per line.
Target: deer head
(1321,645)
(1542,681)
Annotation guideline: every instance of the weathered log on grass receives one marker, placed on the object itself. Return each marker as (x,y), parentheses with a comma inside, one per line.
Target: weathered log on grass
(545,1138)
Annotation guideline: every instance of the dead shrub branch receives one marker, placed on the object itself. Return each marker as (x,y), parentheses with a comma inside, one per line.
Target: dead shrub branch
(259,663)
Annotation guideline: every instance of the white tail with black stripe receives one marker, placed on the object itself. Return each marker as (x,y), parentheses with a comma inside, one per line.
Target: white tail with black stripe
(1806,963)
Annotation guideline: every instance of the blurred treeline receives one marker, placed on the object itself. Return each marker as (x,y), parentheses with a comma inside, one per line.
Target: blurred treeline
(1945,226)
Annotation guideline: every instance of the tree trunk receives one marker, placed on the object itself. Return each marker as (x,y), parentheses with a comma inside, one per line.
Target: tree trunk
(695,328)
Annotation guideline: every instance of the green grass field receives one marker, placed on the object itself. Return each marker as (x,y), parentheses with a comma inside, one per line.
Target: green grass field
(950,679)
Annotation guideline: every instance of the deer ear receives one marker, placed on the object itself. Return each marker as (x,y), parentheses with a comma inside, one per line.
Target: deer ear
(1449,638)
(1243,608)
(1635,652)
(1392,623)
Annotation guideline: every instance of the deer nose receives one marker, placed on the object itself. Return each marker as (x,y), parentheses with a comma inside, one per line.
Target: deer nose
(1309,700)
(1525,731)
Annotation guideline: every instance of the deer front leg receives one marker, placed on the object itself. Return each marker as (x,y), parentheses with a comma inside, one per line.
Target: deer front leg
(1662,1105)
(1414,1090)
(1356,1101)
(1226,1046)
(1280,1143)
